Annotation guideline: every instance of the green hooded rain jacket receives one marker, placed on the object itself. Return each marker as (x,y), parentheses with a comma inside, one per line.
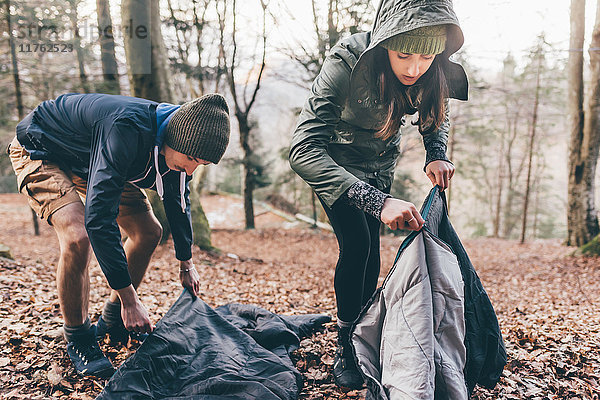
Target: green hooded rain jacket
(334,145)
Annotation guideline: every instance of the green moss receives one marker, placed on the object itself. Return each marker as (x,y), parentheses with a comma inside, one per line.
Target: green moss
(591,248)
(200,225)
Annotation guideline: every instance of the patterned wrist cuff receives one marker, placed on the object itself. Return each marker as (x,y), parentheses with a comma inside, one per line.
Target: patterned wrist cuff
(366,198)
(435,153)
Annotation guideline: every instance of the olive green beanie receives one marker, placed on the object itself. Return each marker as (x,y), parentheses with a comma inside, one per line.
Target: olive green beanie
(200,128)
(425,40)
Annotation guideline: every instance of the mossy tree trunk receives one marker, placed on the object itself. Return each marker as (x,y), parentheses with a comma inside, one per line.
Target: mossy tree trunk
(591,248)
(243,105)
(199,221)
(149,75)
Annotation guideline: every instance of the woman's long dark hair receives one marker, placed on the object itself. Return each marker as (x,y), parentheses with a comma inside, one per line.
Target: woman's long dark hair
(427,96)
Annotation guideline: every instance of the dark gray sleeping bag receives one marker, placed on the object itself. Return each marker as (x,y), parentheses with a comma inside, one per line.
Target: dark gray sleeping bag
(234,352)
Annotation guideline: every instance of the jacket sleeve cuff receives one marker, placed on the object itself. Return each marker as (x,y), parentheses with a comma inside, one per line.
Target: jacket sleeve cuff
(435,153)
(366,198)
(183,254)
(119,282)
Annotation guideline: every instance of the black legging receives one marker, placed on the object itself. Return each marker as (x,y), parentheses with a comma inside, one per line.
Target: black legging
(357,269)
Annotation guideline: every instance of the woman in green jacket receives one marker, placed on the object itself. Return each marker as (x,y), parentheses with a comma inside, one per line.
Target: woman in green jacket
(346,144)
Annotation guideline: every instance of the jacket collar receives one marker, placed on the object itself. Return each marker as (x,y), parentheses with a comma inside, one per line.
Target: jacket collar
(164,113)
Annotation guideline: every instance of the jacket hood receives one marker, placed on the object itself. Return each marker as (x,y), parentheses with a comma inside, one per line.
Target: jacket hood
(398,16)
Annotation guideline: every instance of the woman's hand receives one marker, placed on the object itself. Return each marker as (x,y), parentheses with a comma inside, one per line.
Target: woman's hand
(440,172)
(399,214)
(190,278)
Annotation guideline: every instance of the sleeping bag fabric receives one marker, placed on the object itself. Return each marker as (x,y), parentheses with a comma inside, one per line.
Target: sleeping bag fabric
(429,332)
(234,352)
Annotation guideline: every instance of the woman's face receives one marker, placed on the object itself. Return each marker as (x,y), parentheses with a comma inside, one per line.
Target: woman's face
(408,68)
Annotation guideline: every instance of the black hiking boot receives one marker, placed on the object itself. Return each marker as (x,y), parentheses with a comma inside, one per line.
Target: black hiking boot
(117,334)
(345,370)
(87,357)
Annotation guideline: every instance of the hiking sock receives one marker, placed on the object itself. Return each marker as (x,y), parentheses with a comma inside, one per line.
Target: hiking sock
(73,332)
(111,313)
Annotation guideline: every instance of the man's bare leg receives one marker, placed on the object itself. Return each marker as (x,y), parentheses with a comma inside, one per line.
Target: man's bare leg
(73,281)
(72,275)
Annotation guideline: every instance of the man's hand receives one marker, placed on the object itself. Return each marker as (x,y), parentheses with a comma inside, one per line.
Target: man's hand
(190,278)
(134,314)
(399,214)
(440,172)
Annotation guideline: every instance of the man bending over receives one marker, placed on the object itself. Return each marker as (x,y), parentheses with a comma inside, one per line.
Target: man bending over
(103,149)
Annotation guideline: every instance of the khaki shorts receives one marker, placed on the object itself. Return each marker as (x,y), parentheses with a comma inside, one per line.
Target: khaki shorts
(49,188)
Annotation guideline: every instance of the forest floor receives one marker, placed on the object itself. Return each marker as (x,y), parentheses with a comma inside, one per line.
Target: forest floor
(547,302)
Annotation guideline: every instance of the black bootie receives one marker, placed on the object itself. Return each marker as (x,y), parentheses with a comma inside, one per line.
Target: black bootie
(345,370)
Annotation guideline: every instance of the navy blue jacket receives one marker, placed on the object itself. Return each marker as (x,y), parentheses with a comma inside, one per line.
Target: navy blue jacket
(108,141)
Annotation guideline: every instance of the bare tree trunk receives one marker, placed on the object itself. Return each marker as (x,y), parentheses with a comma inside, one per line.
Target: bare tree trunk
(248,172)
(591,128)
(314,209)
(320,42)
(183,55)
(200,223)
(144,53)
(332,29)
(576,232)
(532,142)
(242,113)
(536,207)
(451,148)
(77,44)
(582,221)
(513,178)
(36,224)
(221,62)
(174,18)
(498,209)
(110,71)
(145,50)
(199,23)
(15,63)
(18,93)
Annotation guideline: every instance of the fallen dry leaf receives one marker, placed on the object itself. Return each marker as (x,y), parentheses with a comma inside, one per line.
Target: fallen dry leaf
(54,375)
(546,302)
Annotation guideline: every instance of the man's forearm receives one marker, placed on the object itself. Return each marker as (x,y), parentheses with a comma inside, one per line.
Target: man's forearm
(128,296)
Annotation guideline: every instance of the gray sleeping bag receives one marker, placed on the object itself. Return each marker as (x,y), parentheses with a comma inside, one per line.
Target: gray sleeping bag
(412,339)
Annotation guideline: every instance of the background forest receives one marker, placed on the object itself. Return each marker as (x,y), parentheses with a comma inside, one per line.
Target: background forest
(508,141)
(525,147)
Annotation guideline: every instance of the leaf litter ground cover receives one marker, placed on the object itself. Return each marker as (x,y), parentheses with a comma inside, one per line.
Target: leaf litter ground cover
(547,304)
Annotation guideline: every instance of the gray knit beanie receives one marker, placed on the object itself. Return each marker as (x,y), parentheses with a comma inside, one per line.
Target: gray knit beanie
(200,128)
